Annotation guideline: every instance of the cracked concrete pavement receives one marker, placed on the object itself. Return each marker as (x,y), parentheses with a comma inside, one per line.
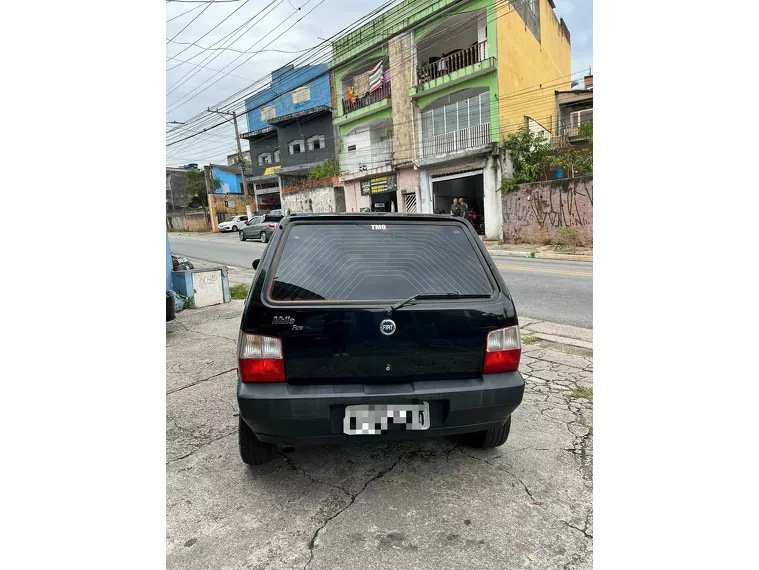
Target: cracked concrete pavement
(421,504)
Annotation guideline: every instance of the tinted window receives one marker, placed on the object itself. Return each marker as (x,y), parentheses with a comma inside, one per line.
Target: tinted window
(365,262)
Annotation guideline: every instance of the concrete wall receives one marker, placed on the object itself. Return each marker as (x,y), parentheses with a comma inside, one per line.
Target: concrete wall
(524,63)
(208,286)
(216,205)
(320,199)
(190,220)
(532,213)
(354,201)
(303,129)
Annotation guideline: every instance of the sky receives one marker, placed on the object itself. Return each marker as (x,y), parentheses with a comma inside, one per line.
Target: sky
(198,78)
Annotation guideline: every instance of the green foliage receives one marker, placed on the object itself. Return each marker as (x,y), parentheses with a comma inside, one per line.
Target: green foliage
(324,170)
(530,339)
(572,161)
(239,291)
(568,236)
(195,185)
(585,392)
(529,154)
(586,130)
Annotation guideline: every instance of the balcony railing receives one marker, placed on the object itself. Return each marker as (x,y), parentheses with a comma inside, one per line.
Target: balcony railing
(472,137)
(368,99)
(376,155)
(452,62)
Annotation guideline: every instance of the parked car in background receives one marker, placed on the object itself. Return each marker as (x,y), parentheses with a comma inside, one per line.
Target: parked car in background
(262,229)
(233,224)
(368,327)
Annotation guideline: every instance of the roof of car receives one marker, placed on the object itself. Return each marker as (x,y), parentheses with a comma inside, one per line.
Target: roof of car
(362,216)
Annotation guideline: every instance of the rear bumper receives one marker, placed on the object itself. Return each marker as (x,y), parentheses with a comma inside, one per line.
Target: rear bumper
(305,415)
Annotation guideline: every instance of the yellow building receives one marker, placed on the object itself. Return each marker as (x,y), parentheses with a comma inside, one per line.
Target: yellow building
(534,61)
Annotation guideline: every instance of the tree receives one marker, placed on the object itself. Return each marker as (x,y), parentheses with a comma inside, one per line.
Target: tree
(196,186)
(529,155)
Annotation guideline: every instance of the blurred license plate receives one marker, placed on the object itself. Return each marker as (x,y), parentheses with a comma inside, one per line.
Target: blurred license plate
(373,419)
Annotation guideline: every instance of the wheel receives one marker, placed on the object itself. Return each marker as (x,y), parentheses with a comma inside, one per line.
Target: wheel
(234,228)
(263,237)
(242,235)
(489,438)
(252,450)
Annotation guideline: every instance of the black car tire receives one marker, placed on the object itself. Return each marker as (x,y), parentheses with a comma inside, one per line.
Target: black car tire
(252,450)
(489,438)
(234,228)
(263,237)
(242,235)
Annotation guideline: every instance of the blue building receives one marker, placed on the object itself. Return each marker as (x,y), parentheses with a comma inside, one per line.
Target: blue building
(289,130)
(230,178)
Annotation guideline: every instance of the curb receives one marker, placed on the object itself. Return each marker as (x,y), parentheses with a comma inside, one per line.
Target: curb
(555,333)
(538,255)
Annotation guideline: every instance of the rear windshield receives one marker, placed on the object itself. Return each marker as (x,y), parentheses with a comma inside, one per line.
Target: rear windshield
(367,262)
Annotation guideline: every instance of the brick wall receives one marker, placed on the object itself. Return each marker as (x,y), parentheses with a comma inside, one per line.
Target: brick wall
(532,213)
(401,75)
(304,184)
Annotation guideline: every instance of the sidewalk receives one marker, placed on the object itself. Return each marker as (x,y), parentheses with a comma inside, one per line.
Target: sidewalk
(538,251)
(528,503)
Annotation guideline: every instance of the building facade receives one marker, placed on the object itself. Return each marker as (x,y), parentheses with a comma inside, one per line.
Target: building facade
(289,131)
(423,94)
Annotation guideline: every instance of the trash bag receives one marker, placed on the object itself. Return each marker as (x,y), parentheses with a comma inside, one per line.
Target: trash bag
(179,301)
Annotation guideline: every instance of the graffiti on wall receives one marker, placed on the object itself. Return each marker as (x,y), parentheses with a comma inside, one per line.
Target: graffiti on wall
(533,212)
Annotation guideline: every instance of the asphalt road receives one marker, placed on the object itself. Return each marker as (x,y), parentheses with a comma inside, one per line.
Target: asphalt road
(556,291)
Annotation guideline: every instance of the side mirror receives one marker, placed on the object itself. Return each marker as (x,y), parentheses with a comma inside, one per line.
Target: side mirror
(255,263)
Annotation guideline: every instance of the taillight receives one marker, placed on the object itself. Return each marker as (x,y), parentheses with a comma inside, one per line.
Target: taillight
(270,225)
(259,358)
(504,348)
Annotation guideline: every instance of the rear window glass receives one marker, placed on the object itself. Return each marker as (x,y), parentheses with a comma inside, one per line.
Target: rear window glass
(365,262)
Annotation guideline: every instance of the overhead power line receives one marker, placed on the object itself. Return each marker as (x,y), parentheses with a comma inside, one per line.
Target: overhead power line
(190,23)
(401,15)
(177,103)
(389,24)
(212,29)
(184,13)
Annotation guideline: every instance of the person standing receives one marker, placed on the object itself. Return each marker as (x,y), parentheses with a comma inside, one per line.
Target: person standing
(455,208)
(464,207)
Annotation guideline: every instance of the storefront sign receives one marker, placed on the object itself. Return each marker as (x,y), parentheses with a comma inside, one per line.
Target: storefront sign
(378,185)
(271,170)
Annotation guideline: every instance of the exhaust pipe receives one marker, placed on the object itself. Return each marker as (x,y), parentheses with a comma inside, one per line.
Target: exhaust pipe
(287,448)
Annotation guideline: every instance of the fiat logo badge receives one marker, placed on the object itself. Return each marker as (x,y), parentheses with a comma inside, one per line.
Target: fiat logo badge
(387,327)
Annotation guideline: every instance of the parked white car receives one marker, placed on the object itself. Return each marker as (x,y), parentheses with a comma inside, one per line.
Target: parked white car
(233,224)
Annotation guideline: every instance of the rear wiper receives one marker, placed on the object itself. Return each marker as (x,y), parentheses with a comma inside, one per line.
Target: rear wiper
(454,295)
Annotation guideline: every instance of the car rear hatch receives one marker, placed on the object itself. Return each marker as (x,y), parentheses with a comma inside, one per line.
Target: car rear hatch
(332,288)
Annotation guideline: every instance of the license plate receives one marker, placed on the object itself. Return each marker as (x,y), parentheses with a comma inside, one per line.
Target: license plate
(373,419)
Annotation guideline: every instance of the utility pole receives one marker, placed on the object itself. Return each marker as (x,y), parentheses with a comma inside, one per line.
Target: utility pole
(239,148)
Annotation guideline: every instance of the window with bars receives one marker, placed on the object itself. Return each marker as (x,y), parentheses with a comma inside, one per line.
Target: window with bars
(463,114)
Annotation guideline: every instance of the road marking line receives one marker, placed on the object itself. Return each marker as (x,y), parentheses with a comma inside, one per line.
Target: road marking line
(515,268)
